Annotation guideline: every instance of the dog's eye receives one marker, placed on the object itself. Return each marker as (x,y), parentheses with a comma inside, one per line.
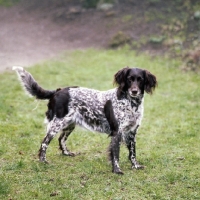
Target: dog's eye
(139,79)
(129,80)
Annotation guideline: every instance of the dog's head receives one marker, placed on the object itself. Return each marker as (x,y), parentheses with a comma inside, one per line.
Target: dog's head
(134,82)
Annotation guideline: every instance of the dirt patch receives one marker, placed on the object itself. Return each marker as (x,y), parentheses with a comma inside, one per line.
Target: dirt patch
(34,32)
(38,30)
(26,39)
(30,35)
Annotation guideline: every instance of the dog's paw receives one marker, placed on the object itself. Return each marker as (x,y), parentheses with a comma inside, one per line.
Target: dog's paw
(138,166)
(68,153)
(43,161)
(117,171)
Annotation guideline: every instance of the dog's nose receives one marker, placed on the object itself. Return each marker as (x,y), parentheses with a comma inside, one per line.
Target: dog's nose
(134,91)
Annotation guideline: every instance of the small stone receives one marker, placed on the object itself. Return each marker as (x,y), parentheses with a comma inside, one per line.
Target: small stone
(105,6)
(197,15)
(180,158)
(74,10)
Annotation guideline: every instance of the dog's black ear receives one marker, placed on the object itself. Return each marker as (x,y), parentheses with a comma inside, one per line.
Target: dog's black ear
(150,82)
(120,81)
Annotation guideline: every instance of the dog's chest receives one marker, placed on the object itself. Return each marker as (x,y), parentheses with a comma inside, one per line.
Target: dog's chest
(128,115)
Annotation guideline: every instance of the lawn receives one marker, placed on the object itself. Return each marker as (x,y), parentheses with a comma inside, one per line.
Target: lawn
(8,2)
(168,142)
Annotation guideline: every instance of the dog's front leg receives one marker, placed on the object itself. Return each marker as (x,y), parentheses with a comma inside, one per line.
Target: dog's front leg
(114,153)
(131,144)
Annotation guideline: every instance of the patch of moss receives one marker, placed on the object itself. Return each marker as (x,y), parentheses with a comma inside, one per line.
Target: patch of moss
(119,39)
(90,3)
(156,39)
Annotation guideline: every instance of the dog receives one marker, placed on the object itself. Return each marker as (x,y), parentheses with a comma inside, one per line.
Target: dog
(117,112)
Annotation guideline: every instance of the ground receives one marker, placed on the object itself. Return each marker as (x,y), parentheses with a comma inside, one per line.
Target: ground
(32,32)
(26,39)
(28,36)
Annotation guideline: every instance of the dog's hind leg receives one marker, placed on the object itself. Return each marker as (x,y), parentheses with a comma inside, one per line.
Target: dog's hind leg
(63,138)
(53,127)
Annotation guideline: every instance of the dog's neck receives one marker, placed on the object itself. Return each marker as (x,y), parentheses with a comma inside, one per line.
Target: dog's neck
(135,101)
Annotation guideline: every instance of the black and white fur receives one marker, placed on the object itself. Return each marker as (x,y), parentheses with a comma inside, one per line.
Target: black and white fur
(117,112)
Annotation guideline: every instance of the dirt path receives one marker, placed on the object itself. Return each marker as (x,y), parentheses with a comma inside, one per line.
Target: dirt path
(24,40)
(30,37)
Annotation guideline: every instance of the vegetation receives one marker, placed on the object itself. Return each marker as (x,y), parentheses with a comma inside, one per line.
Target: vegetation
(95,3)
(90,3)
(167,143)
(8,2)
(119,39)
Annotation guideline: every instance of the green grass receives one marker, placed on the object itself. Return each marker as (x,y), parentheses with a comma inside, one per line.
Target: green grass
(167,143)
(8,2)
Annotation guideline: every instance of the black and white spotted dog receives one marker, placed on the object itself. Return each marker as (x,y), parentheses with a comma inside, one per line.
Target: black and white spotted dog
(117,112)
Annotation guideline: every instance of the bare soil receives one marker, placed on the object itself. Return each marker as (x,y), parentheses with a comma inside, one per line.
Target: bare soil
(33,32)
(28,37)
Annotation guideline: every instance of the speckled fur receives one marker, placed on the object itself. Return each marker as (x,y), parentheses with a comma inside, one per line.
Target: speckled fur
(117,112)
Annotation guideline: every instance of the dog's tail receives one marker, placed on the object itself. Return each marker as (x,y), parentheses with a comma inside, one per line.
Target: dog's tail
(31,86)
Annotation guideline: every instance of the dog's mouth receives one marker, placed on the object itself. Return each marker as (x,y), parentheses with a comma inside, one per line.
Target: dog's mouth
(134,96)
(134,93)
